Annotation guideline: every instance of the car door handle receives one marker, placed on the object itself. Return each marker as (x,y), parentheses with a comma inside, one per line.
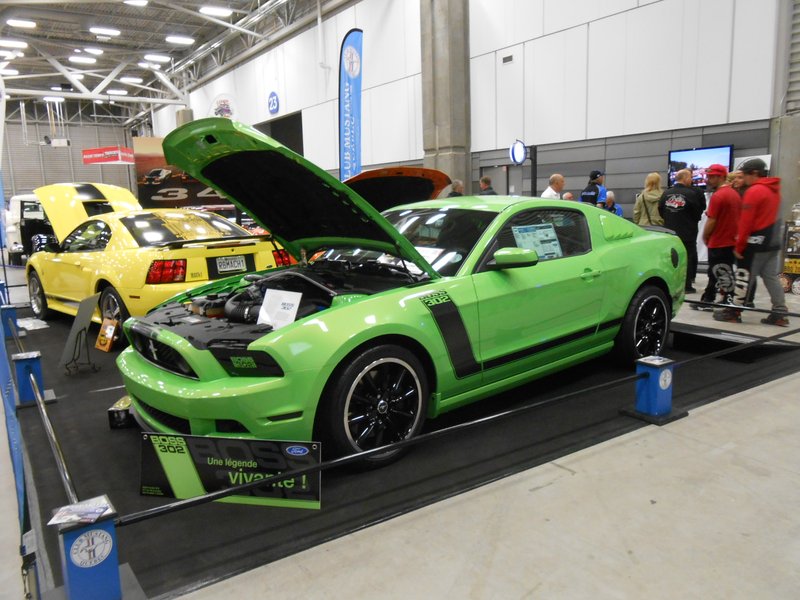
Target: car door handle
(588,275)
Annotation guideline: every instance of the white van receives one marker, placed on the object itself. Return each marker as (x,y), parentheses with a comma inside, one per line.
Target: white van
(24,213)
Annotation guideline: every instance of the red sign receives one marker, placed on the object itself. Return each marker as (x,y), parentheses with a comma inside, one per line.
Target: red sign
(110,155)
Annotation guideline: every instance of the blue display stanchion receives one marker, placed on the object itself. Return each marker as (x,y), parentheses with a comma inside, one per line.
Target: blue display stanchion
(89,559)
(654,391)
(25,363)
(3,292)
(8,315)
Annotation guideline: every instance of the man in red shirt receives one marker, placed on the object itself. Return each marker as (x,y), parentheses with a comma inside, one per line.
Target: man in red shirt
(758,242)
(719,234)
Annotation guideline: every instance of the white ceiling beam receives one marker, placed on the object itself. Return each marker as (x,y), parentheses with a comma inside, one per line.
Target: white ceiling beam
(15,92)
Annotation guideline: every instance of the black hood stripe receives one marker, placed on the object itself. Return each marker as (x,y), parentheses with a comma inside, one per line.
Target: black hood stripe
(89,192)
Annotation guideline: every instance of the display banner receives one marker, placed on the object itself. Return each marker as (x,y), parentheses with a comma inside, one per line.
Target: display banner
(108,155)
(350,105)
(186,466)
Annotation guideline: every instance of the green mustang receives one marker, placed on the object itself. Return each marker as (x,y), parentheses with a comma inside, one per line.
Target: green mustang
(387,318)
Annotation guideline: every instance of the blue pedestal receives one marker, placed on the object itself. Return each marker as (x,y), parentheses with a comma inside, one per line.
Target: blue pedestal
(89,559)
(8,315)
(25,363)
(654,391)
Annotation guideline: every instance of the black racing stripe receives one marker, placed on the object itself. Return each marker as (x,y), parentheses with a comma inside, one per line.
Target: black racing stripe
(89,191)
(543,347)
(454,333)
(610,324)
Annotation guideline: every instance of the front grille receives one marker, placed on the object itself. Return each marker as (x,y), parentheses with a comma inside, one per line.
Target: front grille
(166,419)
(161,355)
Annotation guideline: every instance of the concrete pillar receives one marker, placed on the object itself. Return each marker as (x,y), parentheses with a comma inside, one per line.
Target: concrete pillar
(785,150)
(445,87)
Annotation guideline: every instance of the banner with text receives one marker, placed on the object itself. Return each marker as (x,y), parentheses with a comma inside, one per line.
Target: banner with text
(186,466)
(350,61)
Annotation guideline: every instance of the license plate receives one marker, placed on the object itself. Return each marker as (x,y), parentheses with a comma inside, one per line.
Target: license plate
(228,264)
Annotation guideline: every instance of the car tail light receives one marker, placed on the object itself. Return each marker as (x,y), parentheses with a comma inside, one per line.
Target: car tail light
(167,271)
(282,258)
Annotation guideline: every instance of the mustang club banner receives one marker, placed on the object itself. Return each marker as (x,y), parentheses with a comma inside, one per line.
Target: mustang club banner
(350,105)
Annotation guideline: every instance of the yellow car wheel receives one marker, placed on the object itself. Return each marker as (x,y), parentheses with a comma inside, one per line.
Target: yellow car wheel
(38,298)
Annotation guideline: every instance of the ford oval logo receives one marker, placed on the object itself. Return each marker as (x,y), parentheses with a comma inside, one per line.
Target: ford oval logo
(297,450)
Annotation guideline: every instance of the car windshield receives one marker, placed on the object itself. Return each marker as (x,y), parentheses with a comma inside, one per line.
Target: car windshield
(443,236)
(152,229)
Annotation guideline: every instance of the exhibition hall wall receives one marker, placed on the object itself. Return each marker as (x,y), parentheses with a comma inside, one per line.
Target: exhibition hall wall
(544,71)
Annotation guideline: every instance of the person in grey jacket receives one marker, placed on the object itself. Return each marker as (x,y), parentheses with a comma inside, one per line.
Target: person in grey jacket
(645,209)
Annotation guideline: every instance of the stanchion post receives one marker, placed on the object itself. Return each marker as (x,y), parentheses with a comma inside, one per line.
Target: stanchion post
(3,292)
(654,391)
(8,314)
(24,363)
(89,558)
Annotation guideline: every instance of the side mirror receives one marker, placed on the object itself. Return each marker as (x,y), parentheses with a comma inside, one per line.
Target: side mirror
(511,258)
(42,242)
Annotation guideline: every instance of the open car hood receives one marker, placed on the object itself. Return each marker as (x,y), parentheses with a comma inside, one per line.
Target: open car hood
(389,187)
(67,205)
(303,206)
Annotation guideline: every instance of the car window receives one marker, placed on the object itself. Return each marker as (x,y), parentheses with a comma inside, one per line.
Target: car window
(151,229)
(444,237)
(89,237)
(553,233)
(31,210)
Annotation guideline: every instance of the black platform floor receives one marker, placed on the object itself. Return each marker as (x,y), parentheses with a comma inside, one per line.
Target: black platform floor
(177,552)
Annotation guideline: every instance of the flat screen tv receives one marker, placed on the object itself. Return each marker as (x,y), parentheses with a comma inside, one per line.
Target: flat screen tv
(698,160)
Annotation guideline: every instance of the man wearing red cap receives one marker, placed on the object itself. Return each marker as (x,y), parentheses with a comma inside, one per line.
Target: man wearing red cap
(719,234)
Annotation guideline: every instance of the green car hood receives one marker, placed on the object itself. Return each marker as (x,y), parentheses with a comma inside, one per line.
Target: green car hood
(303,206)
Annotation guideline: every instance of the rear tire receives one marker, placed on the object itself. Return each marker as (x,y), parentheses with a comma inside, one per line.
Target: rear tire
(112,307)
(379,398)
(645,325)
(38,297)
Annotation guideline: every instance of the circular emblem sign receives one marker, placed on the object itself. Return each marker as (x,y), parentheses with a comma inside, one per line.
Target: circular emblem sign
(273,103)
(352,61)
(518,152)
(665,379)
(91,548)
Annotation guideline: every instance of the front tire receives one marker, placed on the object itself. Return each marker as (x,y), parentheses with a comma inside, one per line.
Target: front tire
(645,326)
(380,398)
(38,297)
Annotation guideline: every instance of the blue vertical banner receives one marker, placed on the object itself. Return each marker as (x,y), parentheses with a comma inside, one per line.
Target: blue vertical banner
(350,62)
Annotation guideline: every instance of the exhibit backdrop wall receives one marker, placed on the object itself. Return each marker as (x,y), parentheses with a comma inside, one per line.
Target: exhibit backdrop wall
(544,71)
(29,162)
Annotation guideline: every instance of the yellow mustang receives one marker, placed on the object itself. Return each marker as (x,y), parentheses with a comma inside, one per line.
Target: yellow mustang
(136,259)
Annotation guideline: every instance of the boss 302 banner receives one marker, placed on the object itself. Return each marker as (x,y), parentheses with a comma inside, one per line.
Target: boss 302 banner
(186,466)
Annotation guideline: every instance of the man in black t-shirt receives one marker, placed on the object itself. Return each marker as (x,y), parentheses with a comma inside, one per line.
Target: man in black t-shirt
(681,207)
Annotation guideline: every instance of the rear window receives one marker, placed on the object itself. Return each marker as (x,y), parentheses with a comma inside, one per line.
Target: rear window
(152,229)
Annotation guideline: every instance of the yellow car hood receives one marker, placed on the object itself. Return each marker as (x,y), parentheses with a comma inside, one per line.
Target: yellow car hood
(67,205)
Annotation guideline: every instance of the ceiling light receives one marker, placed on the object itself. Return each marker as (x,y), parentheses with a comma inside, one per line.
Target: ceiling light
(56,88)
(53,99)
(104,31)
(12,44)
(24,23)
(149,65)
(159,58)
(136,2)
(216,11)
(9,72)
(7,54)
(19,54)
(98,102)
(180,39)
(84,60)
(117,92)
(131,79)
(77,76)
(95,51)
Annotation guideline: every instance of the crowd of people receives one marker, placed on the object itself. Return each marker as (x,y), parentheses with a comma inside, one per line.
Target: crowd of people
(742,231)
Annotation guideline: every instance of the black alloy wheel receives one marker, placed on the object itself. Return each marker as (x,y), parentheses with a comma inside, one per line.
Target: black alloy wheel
(378,399)
(645,326)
